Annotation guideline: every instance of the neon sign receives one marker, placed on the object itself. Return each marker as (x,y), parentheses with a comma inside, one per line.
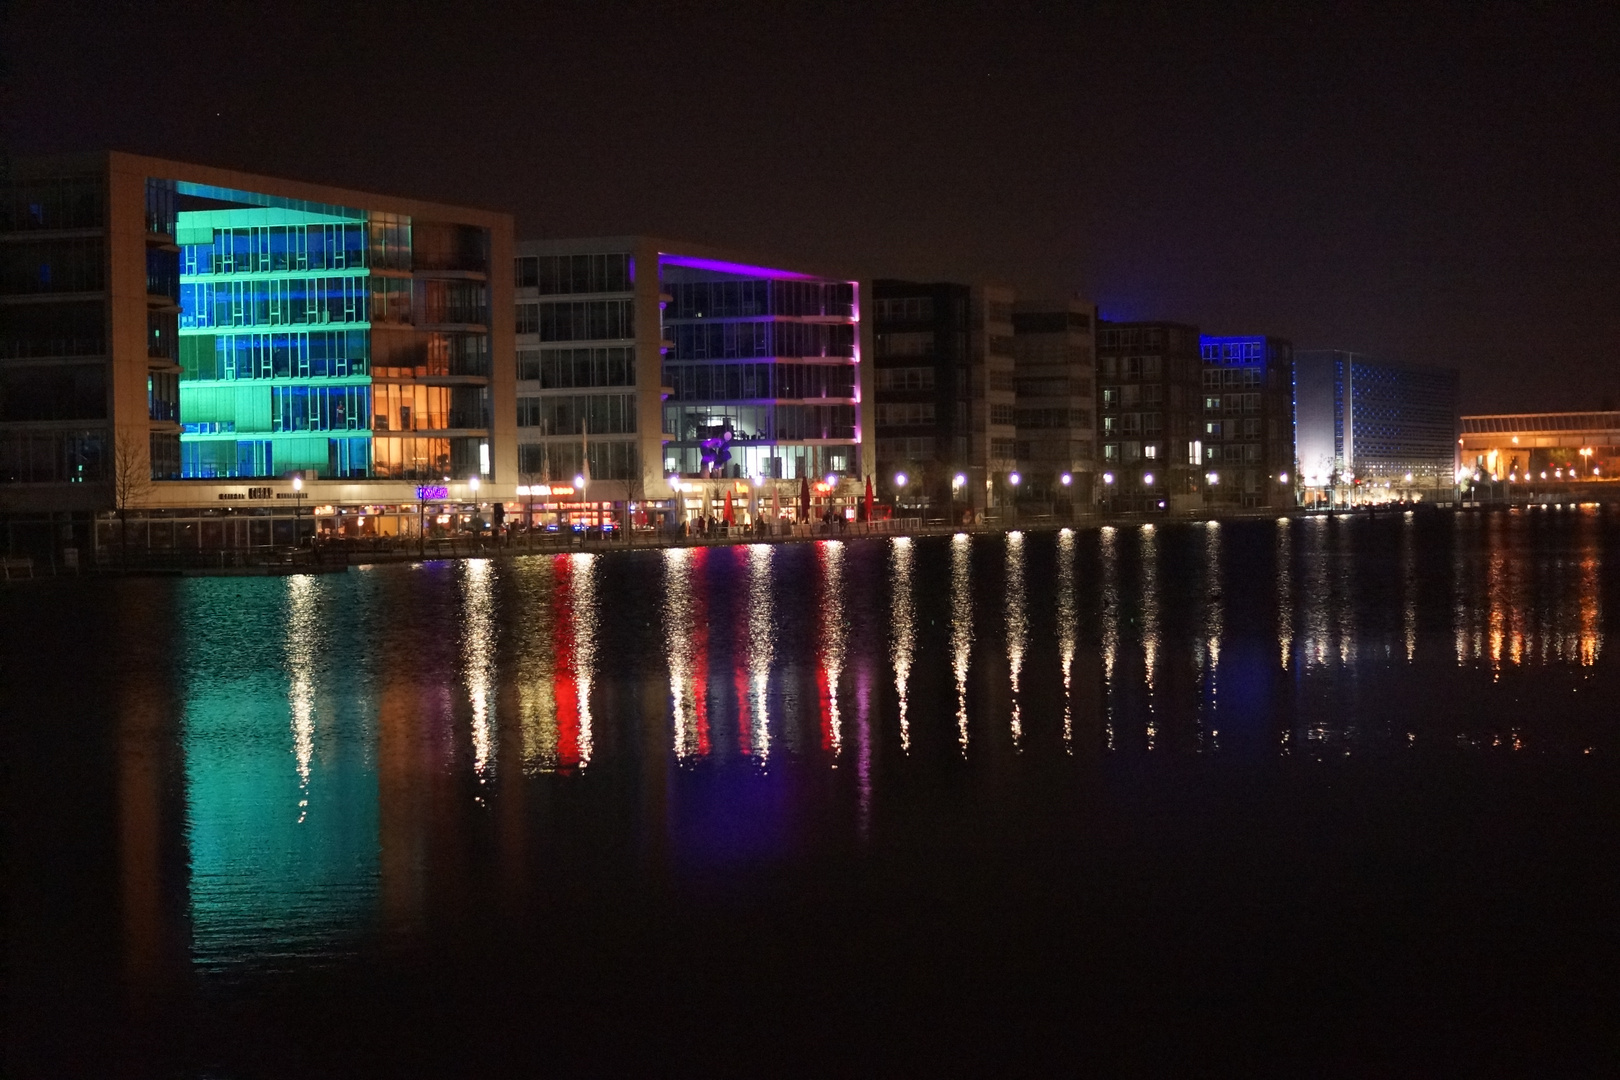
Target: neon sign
(429,492)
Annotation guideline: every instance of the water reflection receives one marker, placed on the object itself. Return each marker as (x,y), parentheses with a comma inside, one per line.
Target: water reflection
(1017,627)
(961,627)
(478,659)
(1068,624)
(830,554)
(331,729)
(1108,554)
(1150,625)
(902,628)
(759,651)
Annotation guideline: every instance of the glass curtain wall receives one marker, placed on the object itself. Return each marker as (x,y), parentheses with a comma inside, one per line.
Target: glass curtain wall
(763,372)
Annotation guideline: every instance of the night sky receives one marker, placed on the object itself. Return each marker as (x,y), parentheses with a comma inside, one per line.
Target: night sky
(1435,184)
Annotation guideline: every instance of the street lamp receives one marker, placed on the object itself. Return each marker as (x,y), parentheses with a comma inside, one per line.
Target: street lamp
(1066,479)
(1147,479)
(900,480)
(1014,479)
(1108,478)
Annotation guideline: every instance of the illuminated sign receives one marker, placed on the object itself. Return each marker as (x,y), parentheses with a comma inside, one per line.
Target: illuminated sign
(428,492)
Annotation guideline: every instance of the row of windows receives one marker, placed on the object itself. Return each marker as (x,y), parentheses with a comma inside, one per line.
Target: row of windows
(162,396)
(906,309)
(1233,350)
(565,369)
(53,266)
(759,423)
(53,202)
(1226,378)
(741,340)
(317,354)
(909,448)
(247,458)
(905,378)
(559,274)
(320,408)
(1235,452)
(1066,450)
(293,302)
(409,355)
(78,392)
(1131,423)
(1131,451)
(453,302)
(1130,397)
(411,407)
(1232,429)
(755,297)
(269,249)
(562,462)
(78,328)
(1054,418)
(907,343)
(426,459)
(1056,387)
(1140,337)
(744,382)
(1132,367)
(1003,449)
(578,320)
(905,414)
(590,414)
(1232,402)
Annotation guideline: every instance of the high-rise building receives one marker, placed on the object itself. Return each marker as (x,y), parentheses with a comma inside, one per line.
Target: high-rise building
(1369,429)
(1056,403)
(664,374)
(181,343)
(1149,402)
(945,393)
(1248,421)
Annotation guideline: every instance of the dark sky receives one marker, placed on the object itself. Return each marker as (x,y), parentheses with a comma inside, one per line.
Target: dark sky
(1431,183)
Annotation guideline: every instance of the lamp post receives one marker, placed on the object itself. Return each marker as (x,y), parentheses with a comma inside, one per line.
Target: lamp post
(472,484)
(579,486)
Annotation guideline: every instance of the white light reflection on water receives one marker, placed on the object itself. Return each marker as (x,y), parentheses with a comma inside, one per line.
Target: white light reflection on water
(761,628)
(1409,583)
(303,629)
(1285,591)
(583,593)
(833,630)
(1067,625)
(1214,624)
(902,624)
(678,636)
(1107,543)
(1314,594)
(961,628)
(1150,624)
(478,659)
(536,668)
(1588,594)
(1017,627)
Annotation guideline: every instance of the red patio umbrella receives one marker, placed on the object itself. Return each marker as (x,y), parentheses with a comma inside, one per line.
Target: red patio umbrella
(868,498)
(726,513)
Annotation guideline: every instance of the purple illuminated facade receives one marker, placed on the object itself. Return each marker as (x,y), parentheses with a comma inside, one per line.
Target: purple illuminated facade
(712,372)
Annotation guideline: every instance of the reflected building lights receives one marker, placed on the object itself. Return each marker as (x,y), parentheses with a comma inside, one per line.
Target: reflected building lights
(831,607)
(478,659)
(303,630)
(678,631)
(1107,546)
(1214,624)
(902,627)
(761,628)
(583,583)
(1285,591)
(1150,625)
(1409,582)
(961,628)
(536,673)
(1017,627)
(1067,624)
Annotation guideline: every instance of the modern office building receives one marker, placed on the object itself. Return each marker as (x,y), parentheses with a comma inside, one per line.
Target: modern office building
(1527,452)
(664,374)
(1149,407)
(1369,430)
(945,393)
(180,344)
(1247,441)
(1056,402)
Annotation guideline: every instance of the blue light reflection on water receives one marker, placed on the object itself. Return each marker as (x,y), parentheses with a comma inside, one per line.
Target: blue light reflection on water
(341,734)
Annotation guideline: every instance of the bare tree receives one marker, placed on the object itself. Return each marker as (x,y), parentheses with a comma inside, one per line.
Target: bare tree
(635,488)
(131,480)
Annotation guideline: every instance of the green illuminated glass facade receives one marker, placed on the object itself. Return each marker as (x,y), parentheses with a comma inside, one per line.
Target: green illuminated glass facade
(329,341)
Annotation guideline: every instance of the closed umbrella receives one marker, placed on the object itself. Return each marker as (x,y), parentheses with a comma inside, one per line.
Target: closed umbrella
(804,498)
(868,499)
(726,513)
(776,504)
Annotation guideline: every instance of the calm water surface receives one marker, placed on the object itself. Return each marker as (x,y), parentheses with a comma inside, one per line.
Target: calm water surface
(1318,791)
